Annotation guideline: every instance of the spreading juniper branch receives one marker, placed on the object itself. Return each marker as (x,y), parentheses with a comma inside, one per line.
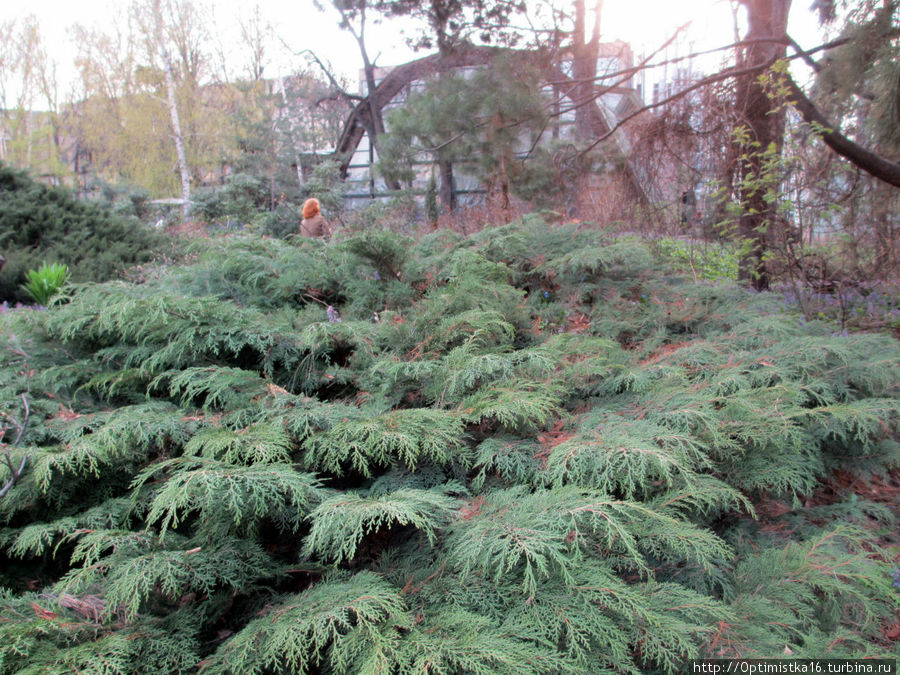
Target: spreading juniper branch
(576,503)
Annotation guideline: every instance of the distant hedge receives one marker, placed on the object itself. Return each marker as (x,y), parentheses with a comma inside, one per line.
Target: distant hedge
(39,222)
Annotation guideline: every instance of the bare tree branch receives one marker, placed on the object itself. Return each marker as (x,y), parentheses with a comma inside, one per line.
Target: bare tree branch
(625,75)
(347,96)
(699,84)
(644,65)
(809,60)
(734,71)
(873,164)
(15,474)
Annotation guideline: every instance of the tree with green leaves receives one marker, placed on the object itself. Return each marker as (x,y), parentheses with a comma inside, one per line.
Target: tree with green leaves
(32,122)
(279,128)
(447,25)
(124,120)
(481,122)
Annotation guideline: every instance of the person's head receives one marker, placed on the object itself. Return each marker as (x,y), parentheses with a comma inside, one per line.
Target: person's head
(310,208)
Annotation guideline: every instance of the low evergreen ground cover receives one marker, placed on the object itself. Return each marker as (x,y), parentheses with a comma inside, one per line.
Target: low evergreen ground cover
(532,450)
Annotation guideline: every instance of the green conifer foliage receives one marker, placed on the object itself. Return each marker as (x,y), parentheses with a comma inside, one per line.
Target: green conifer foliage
(41,224)
(532,450)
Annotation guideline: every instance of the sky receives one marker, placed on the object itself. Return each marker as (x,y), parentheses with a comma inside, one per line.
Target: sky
(300,25)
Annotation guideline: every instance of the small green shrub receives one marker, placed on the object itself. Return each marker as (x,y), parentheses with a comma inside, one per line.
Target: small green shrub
(706,261)
(242,198)
(45,282)
(128,200)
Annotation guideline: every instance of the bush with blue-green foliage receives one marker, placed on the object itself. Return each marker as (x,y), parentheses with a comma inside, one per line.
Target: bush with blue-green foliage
(530,450)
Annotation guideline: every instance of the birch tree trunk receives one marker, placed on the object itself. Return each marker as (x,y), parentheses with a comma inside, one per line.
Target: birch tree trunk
(172,104)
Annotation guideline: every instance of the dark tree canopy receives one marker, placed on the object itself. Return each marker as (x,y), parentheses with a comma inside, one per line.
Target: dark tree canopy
(451,22)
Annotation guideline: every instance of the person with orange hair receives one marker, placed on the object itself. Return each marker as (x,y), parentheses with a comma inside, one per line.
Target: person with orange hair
(313,224)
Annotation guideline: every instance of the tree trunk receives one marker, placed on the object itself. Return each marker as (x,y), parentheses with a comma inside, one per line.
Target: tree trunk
(760,149)
(446,192)
(375,123)
(584,66)
(498,181)
(177,135)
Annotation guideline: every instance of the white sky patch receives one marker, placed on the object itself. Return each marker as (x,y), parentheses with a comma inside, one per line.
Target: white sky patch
(299,25)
